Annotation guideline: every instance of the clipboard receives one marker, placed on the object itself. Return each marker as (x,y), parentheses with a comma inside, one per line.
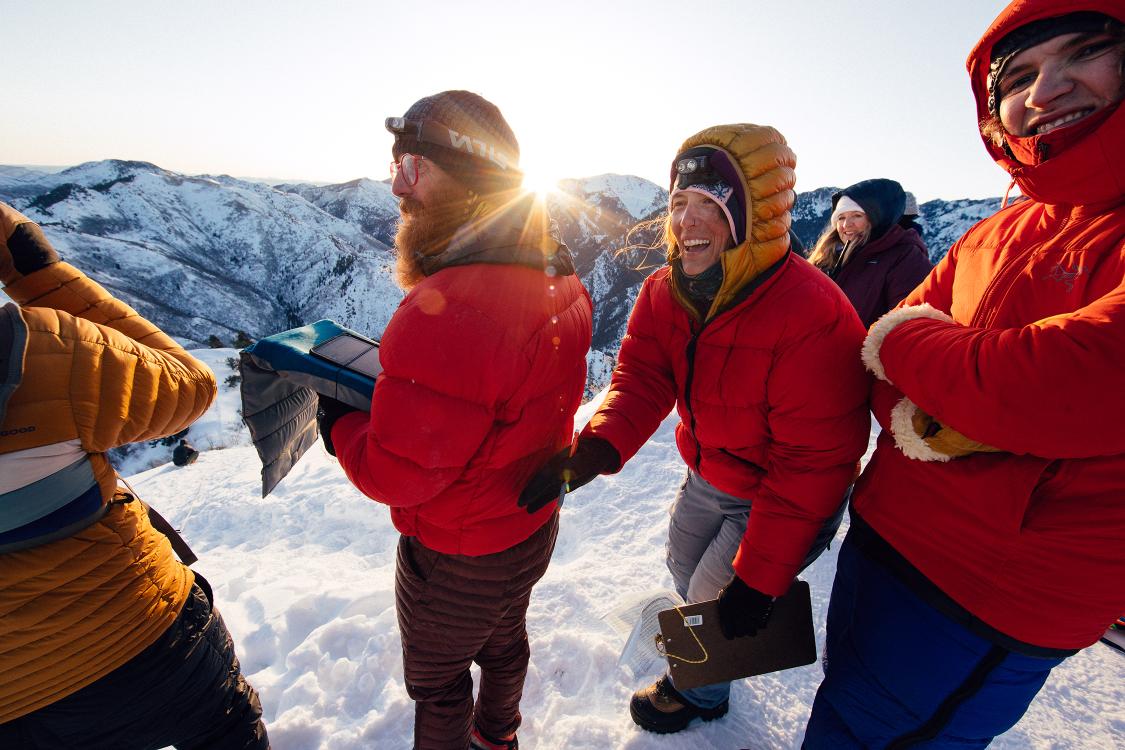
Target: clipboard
(699,654)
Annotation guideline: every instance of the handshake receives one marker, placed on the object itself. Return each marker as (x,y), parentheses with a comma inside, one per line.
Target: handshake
(590,457)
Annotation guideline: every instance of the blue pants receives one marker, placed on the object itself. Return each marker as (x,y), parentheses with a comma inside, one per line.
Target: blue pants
(898,673)
(706,528)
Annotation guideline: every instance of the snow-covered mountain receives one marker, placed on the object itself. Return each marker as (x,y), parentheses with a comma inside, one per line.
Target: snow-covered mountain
(209,256)
(943,222)
(212,256)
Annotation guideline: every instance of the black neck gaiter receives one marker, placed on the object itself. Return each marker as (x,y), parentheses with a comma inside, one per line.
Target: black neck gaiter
(701,288)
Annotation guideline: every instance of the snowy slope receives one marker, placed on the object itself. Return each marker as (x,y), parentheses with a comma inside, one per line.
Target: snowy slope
(204,256)
(305,580)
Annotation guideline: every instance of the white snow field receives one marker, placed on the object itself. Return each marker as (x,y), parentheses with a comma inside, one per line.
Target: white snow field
(305,581)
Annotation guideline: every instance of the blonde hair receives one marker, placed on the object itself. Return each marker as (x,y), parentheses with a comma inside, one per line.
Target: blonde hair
(824,254)
(648,237)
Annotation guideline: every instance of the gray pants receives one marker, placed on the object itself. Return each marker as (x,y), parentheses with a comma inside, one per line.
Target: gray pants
(706,529)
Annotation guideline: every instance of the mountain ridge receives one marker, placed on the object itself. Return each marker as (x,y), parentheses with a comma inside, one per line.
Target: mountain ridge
(215,256)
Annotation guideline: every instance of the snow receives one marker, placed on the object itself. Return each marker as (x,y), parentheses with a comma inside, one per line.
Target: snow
(305,581)
(639,196)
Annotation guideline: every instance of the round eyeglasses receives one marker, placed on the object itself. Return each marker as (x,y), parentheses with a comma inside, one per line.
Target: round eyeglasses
(408,167)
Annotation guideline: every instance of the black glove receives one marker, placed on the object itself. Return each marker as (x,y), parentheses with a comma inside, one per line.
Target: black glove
(23,247)
(592,456)
(743,610)
(327,412)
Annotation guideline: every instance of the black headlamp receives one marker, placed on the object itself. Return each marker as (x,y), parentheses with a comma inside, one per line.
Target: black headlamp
(694,169)
(689,165)
(429,131)
(422,130)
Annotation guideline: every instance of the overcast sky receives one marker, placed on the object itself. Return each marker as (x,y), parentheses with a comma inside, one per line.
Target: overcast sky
(299,90)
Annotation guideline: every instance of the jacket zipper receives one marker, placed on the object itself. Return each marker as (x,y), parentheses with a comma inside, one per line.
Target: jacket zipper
(1005,278)
(691,347)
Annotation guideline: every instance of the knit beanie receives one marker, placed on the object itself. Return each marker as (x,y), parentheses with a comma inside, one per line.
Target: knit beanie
(844,205)
(881,199)
(709,171)
(1034,33)
(465,135)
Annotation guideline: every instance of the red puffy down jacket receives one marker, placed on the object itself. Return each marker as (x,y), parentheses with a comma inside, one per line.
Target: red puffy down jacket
(772,400)
(1028,540)
(484,365)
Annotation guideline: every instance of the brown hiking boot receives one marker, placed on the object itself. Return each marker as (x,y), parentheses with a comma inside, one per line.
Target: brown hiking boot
(660,708)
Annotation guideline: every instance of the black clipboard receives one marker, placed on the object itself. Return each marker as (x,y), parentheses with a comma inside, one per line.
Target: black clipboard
(699,654)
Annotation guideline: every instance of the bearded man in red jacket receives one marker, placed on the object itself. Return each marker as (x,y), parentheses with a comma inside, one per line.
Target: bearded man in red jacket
(484,365)
(986,535)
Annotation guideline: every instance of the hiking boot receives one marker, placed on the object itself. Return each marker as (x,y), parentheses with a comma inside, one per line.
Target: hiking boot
(482,741)
(660,708)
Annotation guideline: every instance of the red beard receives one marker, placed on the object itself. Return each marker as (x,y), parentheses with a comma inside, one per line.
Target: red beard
(425,230)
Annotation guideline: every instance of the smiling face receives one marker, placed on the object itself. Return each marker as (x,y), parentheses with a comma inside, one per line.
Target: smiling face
(701,231)
(1061,81)
(851,225)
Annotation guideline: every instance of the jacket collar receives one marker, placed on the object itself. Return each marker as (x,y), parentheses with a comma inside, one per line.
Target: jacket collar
(1091,171)
(517,233)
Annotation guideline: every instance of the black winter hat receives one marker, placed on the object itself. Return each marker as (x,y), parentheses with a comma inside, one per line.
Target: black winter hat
(882,200)
(1037,32)
(466,135)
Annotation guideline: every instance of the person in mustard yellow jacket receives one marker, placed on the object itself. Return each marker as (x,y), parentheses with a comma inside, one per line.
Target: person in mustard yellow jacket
(106,639)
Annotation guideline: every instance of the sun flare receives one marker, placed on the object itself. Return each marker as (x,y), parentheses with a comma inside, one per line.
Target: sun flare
(540,183)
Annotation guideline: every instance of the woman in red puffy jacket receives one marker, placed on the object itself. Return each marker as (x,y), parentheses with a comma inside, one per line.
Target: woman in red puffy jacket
(758,352)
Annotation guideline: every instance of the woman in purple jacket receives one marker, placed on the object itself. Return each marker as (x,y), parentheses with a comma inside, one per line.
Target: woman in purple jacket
(865,251)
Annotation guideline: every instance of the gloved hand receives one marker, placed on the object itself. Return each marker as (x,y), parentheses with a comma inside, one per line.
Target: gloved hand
(944,439)
(592,456)
(23,248)
(327,412)
(743,610)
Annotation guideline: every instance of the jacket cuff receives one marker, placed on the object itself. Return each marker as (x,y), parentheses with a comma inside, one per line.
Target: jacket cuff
(882,328)
(760,574)
(908,441)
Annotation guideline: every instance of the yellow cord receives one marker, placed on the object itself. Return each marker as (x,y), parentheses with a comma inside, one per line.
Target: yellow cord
(696,637)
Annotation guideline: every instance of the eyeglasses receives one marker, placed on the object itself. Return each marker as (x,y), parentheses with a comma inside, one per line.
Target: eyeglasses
(408,166)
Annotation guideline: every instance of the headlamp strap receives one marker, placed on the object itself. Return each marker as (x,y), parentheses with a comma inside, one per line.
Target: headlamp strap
(438,134)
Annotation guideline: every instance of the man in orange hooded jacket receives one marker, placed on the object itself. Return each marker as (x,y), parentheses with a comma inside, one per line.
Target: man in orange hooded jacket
(986,536)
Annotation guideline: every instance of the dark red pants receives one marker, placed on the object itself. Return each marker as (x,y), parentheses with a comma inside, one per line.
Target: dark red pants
(454,610)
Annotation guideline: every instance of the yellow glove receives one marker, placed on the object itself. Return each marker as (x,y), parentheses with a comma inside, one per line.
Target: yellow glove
(23,248)
(921,437)
(946,440)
